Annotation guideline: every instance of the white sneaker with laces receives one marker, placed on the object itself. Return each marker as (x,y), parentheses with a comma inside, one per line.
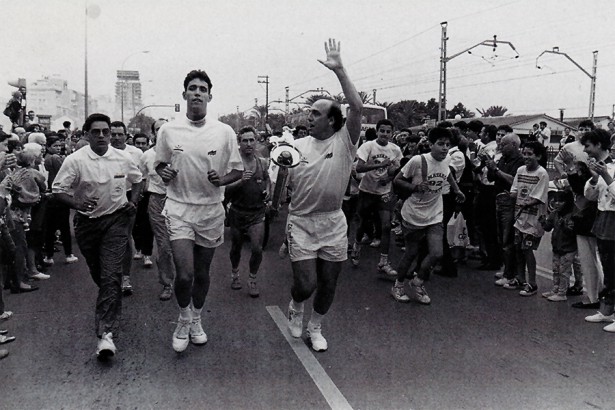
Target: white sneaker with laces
(314,334)
(502,282)
(126,286)
(197,334)
(138,255)
(40,276)
(295,321)
(421,294)
(71,258)
(399,294)
(599,317)
(386,269)
(181,335)
(106,348)
(375,243)
(48,261)
(147,261)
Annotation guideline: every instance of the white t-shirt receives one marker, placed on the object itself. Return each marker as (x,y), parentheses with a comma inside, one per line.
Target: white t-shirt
(320,179)
(458,164)
(154,182)
(135,154)
(577,151)
(85,174)
(528,185)
(194,148)
(372,180)
(425,208)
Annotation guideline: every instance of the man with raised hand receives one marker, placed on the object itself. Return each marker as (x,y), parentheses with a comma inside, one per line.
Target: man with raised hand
(316,227)
(189,149)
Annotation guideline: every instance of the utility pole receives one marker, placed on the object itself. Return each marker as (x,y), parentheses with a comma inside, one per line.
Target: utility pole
(287,100)
(444,59)
(374,96)
(592,76)
(264,79)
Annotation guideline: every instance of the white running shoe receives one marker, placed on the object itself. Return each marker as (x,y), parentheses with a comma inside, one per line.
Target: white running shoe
(40,276)
(599,317)
(387,270)
(105,348)
(609,328)
(314,334)
(399,294)
(295,321)
(147,261)
(71,258)
(197,334)
(421,294)
(137,255)
(181,335)
(48,261)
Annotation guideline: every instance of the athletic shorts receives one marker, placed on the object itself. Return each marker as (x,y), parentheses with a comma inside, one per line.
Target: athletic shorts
(203,224)
(242,219)
(526,241)
(321,235)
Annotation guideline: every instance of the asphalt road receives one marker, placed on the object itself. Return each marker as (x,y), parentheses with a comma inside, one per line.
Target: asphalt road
(475,347)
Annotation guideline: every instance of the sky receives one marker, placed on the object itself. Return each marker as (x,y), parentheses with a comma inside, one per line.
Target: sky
(390,46)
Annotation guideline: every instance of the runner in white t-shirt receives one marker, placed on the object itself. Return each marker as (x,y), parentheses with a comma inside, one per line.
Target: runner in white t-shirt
(189,149)
(424,177)
(379,160)
(316,227)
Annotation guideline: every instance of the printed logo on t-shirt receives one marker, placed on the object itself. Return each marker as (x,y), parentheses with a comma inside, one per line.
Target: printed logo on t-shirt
(379,158)
(211,153)
(178,148)
(329,155)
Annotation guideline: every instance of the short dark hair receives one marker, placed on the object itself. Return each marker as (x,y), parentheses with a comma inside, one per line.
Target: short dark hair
(299,128)
(538,149)
(414,139)
(335,112)
(445,124)
(461,125)
(506,128)
(200,74)
(437,133)
(66,124)
(475,125)
(384,121)
(370,134)
(587,123)
(597,136)
(140,135)
(408,130)
(119,124)
(52,139)
(491,131)
(93,118)
(245,130)
(455,136)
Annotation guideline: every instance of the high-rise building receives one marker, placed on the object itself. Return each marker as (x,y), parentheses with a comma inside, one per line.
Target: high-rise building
(128,94)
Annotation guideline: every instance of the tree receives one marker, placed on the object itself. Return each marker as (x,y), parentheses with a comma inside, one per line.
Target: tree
(259,113)
(493,111)
(236,120)
(461,110)
(140,123)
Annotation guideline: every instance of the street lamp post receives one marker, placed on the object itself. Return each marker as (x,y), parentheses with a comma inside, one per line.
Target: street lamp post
(123,82)
(592,76)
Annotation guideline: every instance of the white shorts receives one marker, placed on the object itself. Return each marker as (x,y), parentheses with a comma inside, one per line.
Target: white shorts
(203,224)
(321,235)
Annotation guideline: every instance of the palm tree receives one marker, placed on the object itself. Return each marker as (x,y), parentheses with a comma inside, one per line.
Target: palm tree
(493,111)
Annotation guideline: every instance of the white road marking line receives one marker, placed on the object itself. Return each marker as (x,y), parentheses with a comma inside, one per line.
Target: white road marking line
(329,390)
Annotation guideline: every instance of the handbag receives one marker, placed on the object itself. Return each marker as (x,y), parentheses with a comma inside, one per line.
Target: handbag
(457,231)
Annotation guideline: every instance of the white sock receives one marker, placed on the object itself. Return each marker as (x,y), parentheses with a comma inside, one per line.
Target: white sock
(297,306)
(185,313)
(316,319)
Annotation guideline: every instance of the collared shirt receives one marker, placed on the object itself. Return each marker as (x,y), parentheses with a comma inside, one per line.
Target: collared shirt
(86,174)
(508,166)
(135,154)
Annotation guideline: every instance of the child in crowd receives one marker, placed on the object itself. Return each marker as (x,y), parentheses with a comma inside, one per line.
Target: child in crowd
(563,241)
(530,187)
(25,184)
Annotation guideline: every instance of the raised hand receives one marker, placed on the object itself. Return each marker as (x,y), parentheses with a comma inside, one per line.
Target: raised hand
(334,60)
